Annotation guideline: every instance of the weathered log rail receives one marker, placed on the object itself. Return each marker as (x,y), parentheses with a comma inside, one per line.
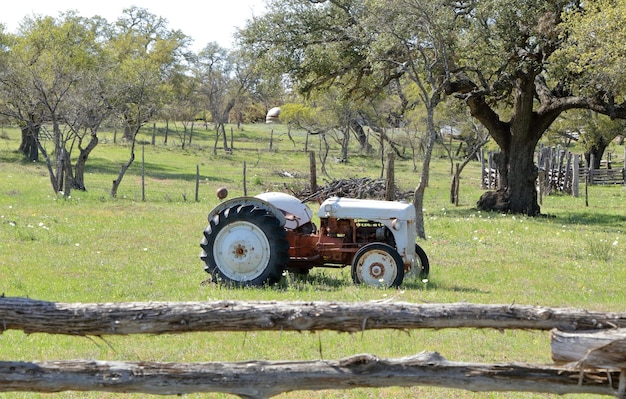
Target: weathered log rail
(34,316)
(574,371)
(264,379)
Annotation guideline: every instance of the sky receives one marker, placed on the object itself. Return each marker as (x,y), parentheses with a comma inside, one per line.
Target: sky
(204,21)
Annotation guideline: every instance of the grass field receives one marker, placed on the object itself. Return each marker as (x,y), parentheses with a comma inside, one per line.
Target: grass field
(92,248)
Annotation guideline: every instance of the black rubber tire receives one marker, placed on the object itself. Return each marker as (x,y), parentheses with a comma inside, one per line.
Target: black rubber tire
(204,244)
(378,265)
(254,240)
(423,264)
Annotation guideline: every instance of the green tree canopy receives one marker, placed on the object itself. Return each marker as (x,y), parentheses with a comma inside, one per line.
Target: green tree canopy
(502,59)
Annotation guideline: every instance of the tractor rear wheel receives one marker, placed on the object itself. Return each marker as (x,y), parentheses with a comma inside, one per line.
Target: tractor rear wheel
(379,265)
(245,246)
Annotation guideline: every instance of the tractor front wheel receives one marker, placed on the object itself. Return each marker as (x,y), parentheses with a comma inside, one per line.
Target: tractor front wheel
(378,265)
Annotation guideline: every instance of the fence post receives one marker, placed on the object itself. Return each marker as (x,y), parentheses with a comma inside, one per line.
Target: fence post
(567,172)
(592,162)
(457,183)
(390,192)
(312,172)
(245,187)
(271,139)
(143,172)
(624,168)
(576,175)
(197,181)
(489,169)
(481,154)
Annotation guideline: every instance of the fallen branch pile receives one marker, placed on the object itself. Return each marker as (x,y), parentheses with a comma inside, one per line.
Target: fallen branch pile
(362,188)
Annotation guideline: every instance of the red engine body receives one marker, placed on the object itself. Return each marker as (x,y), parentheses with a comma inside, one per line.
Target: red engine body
(333,244)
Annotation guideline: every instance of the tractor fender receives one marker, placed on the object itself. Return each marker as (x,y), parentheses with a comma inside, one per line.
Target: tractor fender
(296,213)
(247,201)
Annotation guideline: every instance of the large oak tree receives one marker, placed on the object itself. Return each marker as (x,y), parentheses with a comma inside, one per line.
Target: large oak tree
(505,60)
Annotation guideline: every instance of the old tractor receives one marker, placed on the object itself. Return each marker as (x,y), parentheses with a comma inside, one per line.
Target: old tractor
(252,241)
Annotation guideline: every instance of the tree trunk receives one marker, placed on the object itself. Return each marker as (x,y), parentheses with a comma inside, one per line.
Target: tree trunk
(69,178)
(344,144)
(521,179)
(217,138)
(184,138)
(129,130)
(597,150)
(517,192)
(225,139)
(120,176)
(418,196)
(79,168)
(517,140)
(361,136)
(53,179)
(191,133)
(28,146)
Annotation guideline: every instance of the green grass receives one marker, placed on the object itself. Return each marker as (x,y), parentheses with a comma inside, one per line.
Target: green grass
(91,248)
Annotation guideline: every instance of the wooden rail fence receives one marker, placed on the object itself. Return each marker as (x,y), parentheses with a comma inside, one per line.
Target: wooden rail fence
(588,348)
(560,171)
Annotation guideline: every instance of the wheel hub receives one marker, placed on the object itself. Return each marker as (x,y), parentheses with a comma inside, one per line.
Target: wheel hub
(240,251)
(377,270)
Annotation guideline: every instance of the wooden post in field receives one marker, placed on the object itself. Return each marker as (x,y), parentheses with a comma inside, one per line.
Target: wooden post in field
(143,173)
(271,139)
(590,167)
(245,188)
(312,172)
(542,184)
(153,134)
(457,183)
(489,169)
(624,168)
(567,172)
(390,193)
(575,175)
(197,181)
(481,155)
(587,190)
